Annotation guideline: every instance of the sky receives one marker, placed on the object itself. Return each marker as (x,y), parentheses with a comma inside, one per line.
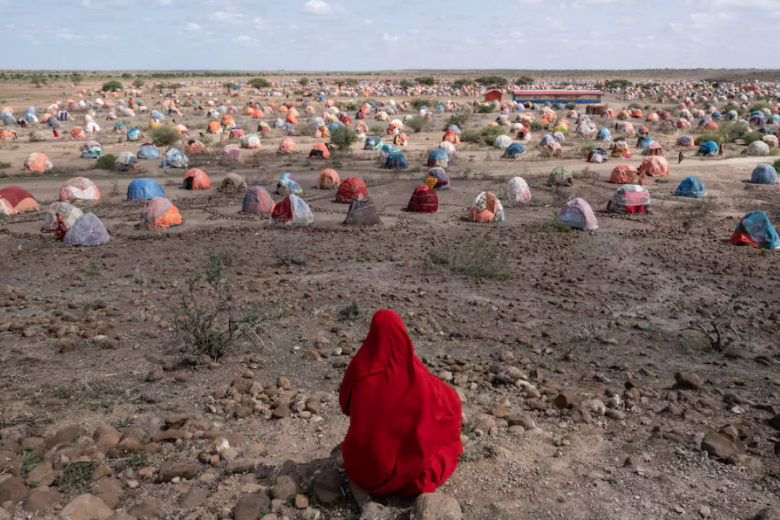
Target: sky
(356,35)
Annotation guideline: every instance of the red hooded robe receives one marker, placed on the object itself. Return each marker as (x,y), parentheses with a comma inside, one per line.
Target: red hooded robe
(404,429)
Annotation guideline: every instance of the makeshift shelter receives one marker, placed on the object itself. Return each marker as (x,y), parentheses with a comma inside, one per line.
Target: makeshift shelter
(708,148)
(134,134)
(68,213)
(654,148)
(195,147)
(396,161)
(250,141)
(78,133)
(292,210)
(493,95)
(362,212)
(196,179)
(630,198)
(437,179)
(37,162)
(764,174)
(386,150)
(373,143)
(126,161)
(159,213)
(287,145)
(514,151)
(257,201)
(231,153)
(144,189)
(288,184)
(14,200)
(87,230)
(686,141)
(438,158)
(79,188)
(560,176)
(319,151)
(758,149)
(175,159)
(424,200)
(502,142)
(447,147)
(233,183)
(598,156)
(691,187)
(92,150)
(486,208)
(620,149)
(624,174)
(604,134)
(148,151)
(350,189)
(517,191)
(328,179)
(655,166)
(577,214)
(756,230)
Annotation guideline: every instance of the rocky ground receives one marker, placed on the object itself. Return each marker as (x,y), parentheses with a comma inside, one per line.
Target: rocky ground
(593,380)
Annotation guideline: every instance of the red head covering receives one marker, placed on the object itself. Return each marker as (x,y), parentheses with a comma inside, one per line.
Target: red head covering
(404,428)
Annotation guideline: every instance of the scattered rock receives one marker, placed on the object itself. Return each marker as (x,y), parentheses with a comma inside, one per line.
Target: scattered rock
(435,506)
(109,490)
(522,420)
(249,507)
(12,490)
(176,421)
(374,511)
(188,469)
(770,513)
(42,475)
(155,375)
(146,510)
(327,485)
(86,507)
(688,381)
(719,446)
(284,488)
(41,500)
(301,502)
(566,400)
(65,435)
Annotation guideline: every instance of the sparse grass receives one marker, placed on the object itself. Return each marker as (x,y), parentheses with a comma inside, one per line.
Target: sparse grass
(536,126)
(693,212)
(489,134)
(458,120)
(377,130)
(350,313)
(105,162)
(549,226)
(4,165)
(419,124)
(485,109)
(475,258)
(306,130)
(92,269)
(76,477)
(288,255)
(164,136)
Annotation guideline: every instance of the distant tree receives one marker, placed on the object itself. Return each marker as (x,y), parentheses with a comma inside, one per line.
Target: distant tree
(492,81)
(304,81)
(229,85)
(525,80)
(126,75)
(619,83)
(343,137)
(340,82)
(138,82)
(459,84)
(406,84)
(110,86)
(426,80)
(38,79)
(259,83)
(175,87)
(77,77)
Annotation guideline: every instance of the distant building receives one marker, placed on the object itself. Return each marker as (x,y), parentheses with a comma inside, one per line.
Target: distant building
(580,97)
(493,95)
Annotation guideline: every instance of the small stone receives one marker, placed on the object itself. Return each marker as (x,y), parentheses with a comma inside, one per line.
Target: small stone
(243,412)
(155,375)
(327,485)
(42,475)
(40,500)
(146,510)
(86,507)
(229,454)
(176,421)
(283,383)
(188,469)
(688,381)
(301,502)
(566,400)
(195,497)
(436,506)
(284,488)
(705,512)
(500,411)
(719,446)
(522,420)
(249,507)
(181,377)
(617,415)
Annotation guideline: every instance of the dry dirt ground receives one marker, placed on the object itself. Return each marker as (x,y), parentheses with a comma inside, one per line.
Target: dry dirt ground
(566,366)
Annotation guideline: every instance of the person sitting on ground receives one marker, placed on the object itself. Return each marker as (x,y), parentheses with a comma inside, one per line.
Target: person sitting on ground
(62,230)
(404,423)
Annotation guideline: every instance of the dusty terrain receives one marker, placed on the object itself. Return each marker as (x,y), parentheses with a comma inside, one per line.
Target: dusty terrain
(566,366)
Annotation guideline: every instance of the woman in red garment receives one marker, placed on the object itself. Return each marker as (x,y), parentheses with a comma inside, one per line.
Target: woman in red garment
(404,427)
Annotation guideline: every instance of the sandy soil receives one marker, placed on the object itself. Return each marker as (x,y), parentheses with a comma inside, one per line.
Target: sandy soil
(610,316)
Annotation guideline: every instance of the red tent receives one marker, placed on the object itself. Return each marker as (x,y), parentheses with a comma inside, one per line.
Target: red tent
(493,95)
(350,189)
(424,200)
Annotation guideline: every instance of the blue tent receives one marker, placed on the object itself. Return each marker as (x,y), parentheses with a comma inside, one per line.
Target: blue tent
(691,187)
(174,158)
(144,189)
(148,151)
(514,150)
(438,156)
(547,139)
(644,142)
(157,116)
(88,230)
(775,119)
(335,125)
(604,134)
(373,142)
(396,161)
(708,148)
(756,229)
(453,128)
(732,115)
(716,116)
(133,134)
(764,174)
(120,127)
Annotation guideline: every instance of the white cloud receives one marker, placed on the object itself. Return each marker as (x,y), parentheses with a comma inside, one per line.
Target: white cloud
(4,3)
(387,38)
(368,22)
(166,2)
(192,26)
(225,17)
(318,7)
(293,27)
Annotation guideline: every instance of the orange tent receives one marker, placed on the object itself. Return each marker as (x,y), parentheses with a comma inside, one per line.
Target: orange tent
(15,200)
(319,151)
(196,179)
(287,145)
(37,162)
(624,174)
(350,189)
(78,133)
(159,213)
(655,166)
(214,127)
(328,179)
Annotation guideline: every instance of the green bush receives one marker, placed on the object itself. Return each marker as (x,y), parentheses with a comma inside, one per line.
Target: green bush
(459,84)
(776,164)
(105,162)
(343,137)
(525,80)
(426,80)
(471,135)
(493,81)
(752,137)
(377,130)
(458,120)
(634,105)
(259,83)
(485,109)
(571,106)
(419,103)
(490,133)
(761,105)
(406,84)
(164,136)
(708,136)
(138,82)
(536,126)
(111,86)
(419,124)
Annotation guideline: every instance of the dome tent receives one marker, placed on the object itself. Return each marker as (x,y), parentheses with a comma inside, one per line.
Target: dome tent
(350,189)
(560,176)
(148,151)
(328,179)
(15,200)
(126,161)
(624,174)
(577,214)
(438,158)
(396,161)
(232,183)
(288,184)
(196,179)
(654,166)
(362,212)
(756,230)
(292,210)
(514,151)
(373,142)
(758,149)
(708,148)
(486,208)
(764,174)
(517,191)
(79,188)
(502,142)
(686,141)
(257,201)
(630,198)
(92,150)
(437,179)
(144,189)
(175,159)
(37,162)
(159,213)
(319,151)
(68,213)
(87,230)
(691,187)
(424,200)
